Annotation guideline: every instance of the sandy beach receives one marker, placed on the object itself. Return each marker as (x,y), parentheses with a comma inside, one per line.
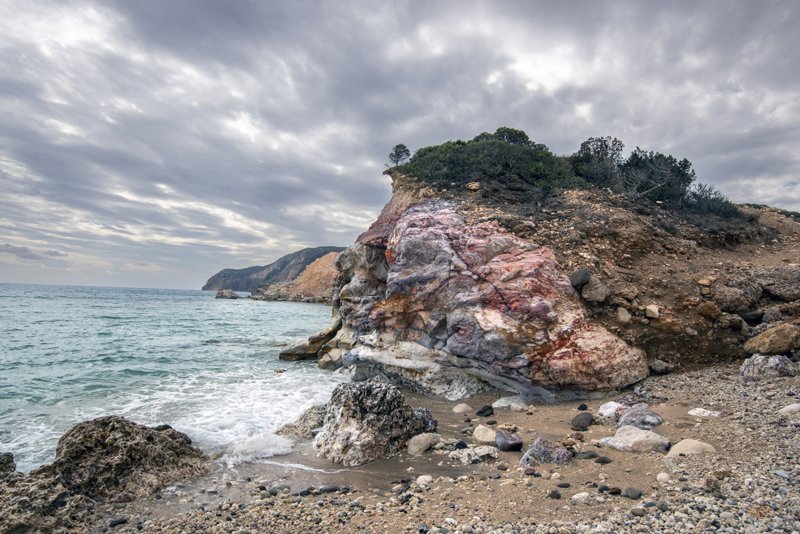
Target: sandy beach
(748,485)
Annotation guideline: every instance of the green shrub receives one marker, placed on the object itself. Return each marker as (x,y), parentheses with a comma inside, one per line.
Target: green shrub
(703,198)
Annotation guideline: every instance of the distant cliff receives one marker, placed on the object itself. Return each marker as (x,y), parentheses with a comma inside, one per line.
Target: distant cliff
(284,270)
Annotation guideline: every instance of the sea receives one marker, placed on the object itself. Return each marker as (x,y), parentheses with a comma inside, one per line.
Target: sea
(207,367)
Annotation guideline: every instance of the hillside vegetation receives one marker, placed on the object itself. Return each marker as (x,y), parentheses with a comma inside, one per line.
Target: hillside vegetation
(530,170)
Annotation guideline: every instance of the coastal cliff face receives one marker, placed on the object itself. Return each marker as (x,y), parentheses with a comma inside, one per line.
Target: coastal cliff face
(315,284)
(283,271)
(447,307)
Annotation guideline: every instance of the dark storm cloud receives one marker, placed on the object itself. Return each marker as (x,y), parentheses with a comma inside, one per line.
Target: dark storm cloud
(157,142)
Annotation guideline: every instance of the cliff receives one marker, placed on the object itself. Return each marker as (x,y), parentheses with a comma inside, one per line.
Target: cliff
(315,284)
(284,270)
(457,289)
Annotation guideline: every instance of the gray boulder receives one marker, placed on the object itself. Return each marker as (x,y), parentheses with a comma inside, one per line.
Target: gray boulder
(421,443)
(759,366)
(227,294)
(368,420)
(580,277)
(640,418)
(544,451)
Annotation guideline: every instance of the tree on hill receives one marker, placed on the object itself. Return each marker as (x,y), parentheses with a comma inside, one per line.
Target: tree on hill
(399,154)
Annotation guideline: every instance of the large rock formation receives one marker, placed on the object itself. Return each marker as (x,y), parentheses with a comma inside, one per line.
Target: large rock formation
(284,270)
(450,308)
(368,421)
(105,460)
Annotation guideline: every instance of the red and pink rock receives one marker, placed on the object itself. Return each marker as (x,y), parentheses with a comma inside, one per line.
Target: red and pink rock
(448,307)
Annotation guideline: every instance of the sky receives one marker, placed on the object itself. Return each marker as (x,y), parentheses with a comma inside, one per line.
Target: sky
(152,144)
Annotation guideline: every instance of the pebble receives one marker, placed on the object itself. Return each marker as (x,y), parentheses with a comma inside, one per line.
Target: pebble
(663,477)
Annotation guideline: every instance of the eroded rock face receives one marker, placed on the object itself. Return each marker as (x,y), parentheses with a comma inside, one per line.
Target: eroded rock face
(449,308)
(227,294)
(367,421)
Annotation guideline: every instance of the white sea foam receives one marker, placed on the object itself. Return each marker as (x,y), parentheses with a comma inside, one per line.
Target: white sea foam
(155,368)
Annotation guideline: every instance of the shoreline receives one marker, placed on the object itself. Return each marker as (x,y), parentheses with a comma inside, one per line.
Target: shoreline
(752,440)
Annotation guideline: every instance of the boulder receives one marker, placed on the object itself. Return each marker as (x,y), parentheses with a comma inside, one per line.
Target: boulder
(595,291)
(7,464)
(611,410)
(778,340)
(368,420)
(543,451)
(580,277)
(514,403)
(507,441)
(661,367)
(782,283)
(632,439)
(581,421)
(623,316)
(758,366)
(474,455)
(307,349)
(421,443)
(227,294)
(483,435)
(105,460)
(733,299)
(449,308)
(462,408)
(640,418)
(709,310)
(690,446)
(309,421)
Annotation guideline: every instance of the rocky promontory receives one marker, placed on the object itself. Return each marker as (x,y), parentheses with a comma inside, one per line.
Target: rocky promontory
(314,284)
(483,284)
(281,271)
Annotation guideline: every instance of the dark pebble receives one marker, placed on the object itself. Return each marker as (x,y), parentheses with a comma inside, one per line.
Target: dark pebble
(423,527)
(492,422)
(494,477)
(529,472)
(614,491)
(581,421)
(650,504)
(461,445)
(485,411)
(633,493)
(467,420)
(663,506)
(586,455)
(603,460)
(583,408)
(502,467)
(563,485)
(329,489)
(555,494)
(683,479)
(117,522)
(603,489)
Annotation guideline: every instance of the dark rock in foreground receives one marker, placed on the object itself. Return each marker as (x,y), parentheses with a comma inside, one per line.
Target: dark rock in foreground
(367,421)
(109,459)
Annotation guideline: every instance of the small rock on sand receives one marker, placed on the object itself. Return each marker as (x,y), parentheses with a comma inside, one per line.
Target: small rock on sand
(483,435)
(690,446)
(632,439)
(462,408)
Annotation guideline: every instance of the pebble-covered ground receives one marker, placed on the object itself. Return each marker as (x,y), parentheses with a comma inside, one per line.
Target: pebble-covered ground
(749,485)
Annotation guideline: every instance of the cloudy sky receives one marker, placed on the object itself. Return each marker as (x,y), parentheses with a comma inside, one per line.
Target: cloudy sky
(151,144)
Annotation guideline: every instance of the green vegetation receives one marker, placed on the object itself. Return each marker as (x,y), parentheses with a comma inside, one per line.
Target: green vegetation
(510,157)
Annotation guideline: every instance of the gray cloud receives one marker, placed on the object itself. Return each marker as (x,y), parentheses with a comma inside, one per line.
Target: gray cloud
(157,143)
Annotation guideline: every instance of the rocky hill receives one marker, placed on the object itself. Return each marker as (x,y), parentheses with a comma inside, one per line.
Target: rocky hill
(455,289)
(282,271)
(315,284)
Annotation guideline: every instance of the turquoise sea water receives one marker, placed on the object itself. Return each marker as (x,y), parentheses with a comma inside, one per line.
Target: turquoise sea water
(207,367)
